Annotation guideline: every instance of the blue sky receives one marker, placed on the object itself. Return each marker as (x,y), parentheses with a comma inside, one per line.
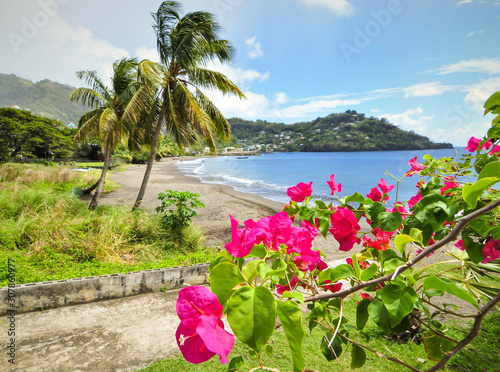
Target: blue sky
(425,65)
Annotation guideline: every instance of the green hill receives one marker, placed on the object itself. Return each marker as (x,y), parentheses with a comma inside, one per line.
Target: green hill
(349,131)
(45,98)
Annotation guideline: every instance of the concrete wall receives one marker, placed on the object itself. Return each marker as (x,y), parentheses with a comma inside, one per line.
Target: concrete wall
(48,295)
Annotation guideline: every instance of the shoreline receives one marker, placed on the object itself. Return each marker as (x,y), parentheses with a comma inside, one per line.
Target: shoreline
(220,202)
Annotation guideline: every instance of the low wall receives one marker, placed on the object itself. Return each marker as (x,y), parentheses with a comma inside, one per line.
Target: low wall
(48,295)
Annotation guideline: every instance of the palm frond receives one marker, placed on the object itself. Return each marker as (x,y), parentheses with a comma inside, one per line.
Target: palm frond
(88,97)
(92,79)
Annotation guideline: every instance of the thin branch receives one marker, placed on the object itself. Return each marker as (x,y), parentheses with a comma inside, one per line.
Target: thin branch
(452,236)
(474,332)
(448,311)
(433,330)
(379,354)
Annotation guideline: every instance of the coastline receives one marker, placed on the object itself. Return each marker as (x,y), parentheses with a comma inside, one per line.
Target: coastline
(220,201)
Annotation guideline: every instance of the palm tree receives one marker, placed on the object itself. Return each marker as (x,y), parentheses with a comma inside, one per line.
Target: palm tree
(112,118)
(185,46)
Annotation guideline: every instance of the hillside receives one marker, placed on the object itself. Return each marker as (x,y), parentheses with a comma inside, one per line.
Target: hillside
(349,131)
(45,98)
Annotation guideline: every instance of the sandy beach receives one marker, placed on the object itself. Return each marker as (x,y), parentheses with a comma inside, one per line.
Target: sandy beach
(220,201)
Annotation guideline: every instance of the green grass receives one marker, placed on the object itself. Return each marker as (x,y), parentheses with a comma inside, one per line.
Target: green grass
(50,234)
(89,164)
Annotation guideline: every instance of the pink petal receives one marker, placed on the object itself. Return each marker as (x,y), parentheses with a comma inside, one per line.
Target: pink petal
(375,195)
(192,347)
(384,187)
(473,144)
(216,339)
(300,192)
(333,186)
(195,301)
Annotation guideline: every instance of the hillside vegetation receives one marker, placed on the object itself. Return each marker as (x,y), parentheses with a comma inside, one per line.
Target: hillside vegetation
(44,98)
(349,131)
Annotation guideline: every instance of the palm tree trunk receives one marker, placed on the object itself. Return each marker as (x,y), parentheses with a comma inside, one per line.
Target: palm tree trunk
(149,166)
(100,183)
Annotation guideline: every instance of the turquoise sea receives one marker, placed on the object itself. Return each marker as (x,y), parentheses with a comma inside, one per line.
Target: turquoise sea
(269,175)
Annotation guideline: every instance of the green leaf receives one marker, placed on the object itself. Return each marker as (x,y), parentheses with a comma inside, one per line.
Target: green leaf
(436,346)
(369,272)
(223,278)
(290,316)
(325,275)
(399,302)
(279,271)
(258,250)
(235,363)
(490,170)
(223,256)
(378,313)
(433,282)
(251,313)
(362,313)
(471,192)
(358,357)
(389,221)
(333,351)
(372,212)
(296,295)
(401,240)
(250,270)
(355,198)
(342,271)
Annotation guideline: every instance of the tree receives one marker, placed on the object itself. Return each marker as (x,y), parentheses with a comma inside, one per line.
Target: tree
(25,134)
(173,88)
(112,119)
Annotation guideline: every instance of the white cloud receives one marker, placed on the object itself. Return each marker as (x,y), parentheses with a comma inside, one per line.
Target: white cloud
(341,8)
(465,2)
(281,98)
(238,75)
(411,119)
(254,107)
(146,53)
(478,93)
(426,89)
(486,65)
(254,48)
(311,108)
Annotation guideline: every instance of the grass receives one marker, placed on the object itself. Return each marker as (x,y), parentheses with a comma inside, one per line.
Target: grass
(51,235)
(486,345)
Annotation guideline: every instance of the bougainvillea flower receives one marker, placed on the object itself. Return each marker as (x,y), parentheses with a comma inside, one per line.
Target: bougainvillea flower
(375,195)
(473,144)
(362,264)
(344,228)
(414,200)
(282,288)
(487,145)
(384,187)
(300,192)
(244,239)
(275,229)
(491,250)
(415,167)
(383,238)
(401,209)
(201,333)
(365,296)
(334,287)
(495,150)
(460,245)
(333,186)
(449,184)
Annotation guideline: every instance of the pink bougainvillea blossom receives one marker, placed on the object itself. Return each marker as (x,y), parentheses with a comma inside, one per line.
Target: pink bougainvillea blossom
(487,145)
(366,296)
(495,150)
(344,228)
(362,264)
(282,288)
(415,167)
(300,192)
(333,287)
(244,239)
(333,186)
(201,333)
(449,184)
(375,195)
(382,241)
(414,200)
(491,250)
(401,209)
(473,144)
(460,245)
(275,229)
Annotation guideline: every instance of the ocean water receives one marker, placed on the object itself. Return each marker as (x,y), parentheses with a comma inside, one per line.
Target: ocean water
(270,175)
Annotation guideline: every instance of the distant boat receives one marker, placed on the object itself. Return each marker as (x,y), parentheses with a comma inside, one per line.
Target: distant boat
(242,157)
